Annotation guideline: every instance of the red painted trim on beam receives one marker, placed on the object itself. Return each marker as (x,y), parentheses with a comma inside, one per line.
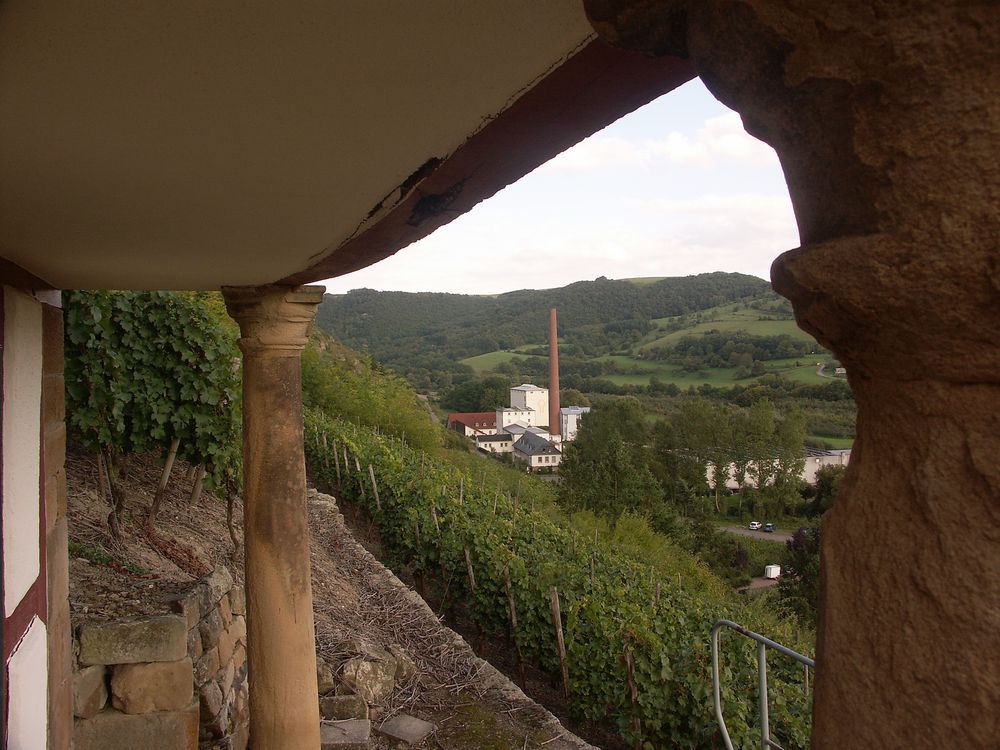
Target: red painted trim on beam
(589,91)
(15,626)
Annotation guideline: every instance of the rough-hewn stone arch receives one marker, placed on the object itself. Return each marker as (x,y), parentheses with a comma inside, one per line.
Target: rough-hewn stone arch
(886,117)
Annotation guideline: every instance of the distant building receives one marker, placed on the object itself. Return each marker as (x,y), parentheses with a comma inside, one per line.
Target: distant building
(471,424)
(815,460)
(519,429)
(506,416)
(536,452)
(501,442)
(569,421)
(528,396)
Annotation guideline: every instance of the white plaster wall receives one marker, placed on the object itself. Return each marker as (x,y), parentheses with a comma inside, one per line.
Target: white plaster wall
(506,418)
(27,689)
(570,425)
(22,398)
(537,399)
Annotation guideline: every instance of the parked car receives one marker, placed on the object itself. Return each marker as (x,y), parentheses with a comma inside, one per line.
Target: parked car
(768,527)
(754,525)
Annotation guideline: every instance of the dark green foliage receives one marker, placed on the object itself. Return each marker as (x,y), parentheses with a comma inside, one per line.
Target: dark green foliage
(422,336)
(615,610)
(799,587)
(143,368)
(732,349)
(828,480)
(606,469)
(341,382)
(487,394)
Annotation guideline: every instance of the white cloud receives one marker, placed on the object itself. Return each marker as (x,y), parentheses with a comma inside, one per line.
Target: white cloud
(630,201)
(597,152)
(720,141)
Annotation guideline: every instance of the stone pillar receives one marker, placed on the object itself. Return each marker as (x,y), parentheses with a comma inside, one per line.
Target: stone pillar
(274,322)
(884,114)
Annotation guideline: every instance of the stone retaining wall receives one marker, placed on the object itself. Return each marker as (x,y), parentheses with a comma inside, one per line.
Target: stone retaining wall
(172,682)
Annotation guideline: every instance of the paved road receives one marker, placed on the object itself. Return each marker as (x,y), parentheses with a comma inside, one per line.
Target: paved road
(774,536)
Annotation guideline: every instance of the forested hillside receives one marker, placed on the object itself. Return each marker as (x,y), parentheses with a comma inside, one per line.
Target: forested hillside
(424,335)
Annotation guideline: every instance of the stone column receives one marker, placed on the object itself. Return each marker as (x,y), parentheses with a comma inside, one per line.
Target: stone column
(284,709)
(885,116)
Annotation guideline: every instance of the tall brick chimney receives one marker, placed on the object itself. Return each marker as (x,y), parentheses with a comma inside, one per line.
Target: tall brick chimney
(554,428)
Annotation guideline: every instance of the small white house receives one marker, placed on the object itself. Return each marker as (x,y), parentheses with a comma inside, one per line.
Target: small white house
(772,571)
(536,452)
(501,442)
(507,416)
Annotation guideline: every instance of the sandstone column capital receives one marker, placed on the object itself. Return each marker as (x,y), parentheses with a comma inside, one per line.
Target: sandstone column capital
(274,320)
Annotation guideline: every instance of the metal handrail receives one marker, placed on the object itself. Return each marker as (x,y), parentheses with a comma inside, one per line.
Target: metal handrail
(763,643)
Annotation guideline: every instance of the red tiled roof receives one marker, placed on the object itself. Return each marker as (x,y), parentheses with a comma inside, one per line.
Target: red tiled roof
(477,420)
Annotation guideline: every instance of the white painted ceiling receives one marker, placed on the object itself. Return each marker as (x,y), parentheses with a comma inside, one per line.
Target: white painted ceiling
(187,145)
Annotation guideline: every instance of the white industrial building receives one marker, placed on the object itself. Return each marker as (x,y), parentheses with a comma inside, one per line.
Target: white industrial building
(814,461)
(507,416)
(528,396)
(569,421)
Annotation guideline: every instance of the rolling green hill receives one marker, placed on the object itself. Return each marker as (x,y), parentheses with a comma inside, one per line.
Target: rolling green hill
(425,335)
(764,316)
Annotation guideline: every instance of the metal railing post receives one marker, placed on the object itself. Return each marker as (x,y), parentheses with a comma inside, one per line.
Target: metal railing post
(763,643)
(765,726)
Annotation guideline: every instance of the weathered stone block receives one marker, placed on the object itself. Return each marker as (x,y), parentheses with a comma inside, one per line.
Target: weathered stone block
(239,629)
(213,587)
(238,600)
(345,735)
(158,686)
(90,691)
(152,639)
(211,700)
(343,707)
(408,729)
(226,678)
(364,648)
(218,726)
(325,681)
(224,611)
(226,646)
(372,680)
(405,666)
(210,628)
(207,666)
(113,730)
(194,646)
(187,605)
(239,655)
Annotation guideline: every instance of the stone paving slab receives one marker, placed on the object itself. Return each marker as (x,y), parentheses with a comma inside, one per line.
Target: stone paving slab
(345,735)
(408,729)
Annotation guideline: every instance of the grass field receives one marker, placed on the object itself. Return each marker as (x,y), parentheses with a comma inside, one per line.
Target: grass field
(743,320)
(802,370)
(836,442)
(728,317)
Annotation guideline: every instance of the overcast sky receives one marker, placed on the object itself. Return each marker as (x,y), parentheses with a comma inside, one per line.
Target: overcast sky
(672,189)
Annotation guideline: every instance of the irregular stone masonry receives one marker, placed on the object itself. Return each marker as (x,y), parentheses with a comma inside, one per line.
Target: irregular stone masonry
(176,681)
